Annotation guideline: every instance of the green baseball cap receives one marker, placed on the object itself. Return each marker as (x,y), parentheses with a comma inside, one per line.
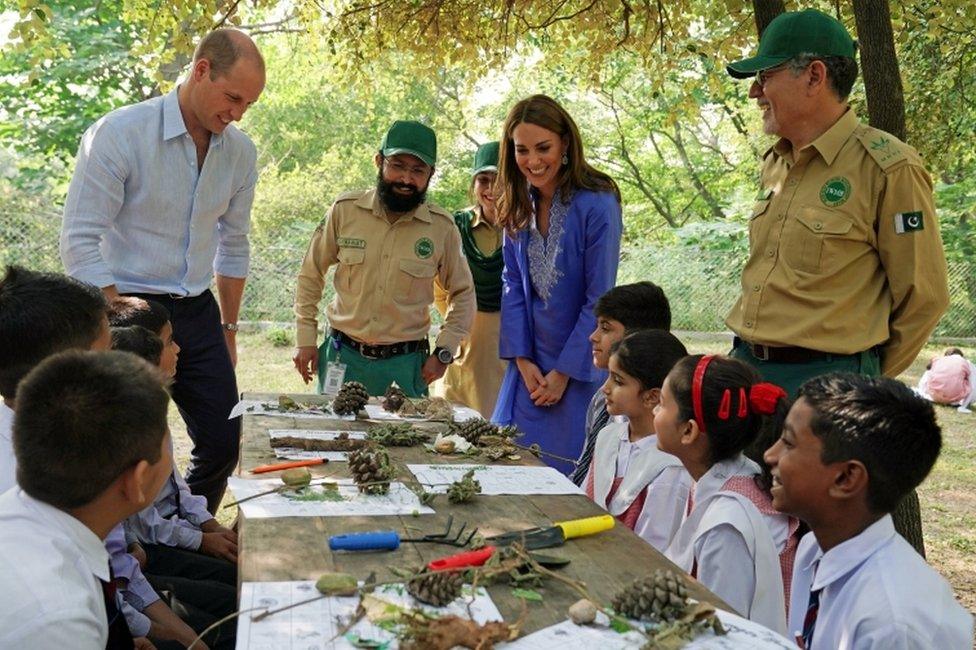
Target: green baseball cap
(792,33)
(414,138)
(486,159)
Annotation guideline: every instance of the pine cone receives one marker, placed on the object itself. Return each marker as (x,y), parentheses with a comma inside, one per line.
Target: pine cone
(437,589)
(371,470)
(656,598)
(437,408)
(464,490)
(398,434)
(352,397)
(393,398)
(473,430)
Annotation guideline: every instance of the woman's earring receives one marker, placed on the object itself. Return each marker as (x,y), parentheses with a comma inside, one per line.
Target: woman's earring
(565,160)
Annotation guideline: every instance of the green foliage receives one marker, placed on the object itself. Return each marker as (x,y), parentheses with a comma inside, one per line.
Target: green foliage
(280,337)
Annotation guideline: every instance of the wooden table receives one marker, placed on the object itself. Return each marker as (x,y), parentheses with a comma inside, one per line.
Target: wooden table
(296,548)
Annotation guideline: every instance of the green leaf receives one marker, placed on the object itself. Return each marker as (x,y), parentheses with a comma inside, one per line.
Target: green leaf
(619,625)
(527,594)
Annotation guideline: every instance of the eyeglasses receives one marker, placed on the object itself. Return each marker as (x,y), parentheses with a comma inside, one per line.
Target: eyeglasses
(763,76)
(398,167)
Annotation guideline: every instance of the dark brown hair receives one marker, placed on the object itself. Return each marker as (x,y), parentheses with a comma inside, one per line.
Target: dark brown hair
(514,208)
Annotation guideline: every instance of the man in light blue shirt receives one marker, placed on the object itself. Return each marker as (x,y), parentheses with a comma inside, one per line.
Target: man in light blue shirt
(159,206)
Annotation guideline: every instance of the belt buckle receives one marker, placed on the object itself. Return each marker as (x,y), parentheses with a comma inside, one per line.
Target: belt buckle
(755,347)
(369,352)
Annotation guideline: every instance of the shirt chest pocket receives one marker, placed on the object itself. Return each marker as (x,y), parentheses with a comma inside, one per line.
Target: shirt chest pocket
(414,283)
(349,273)
(814,235)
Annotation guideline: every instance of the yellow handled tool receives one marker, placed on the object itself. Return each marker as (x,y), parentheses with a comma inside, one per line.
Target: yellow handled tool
(555,535)
(584,527)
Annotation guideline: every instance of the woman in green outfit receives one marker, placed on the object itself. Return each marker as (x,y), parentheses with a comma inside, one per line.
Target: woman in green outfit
(474,377)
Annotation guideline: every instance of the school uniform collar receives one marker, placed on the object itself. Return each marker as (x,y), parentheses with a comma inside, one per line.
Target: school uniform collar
(847,556)
(623,435)
(716,476)
(91,547)
(830,142)
(371,201)
(6,415)
(173,124)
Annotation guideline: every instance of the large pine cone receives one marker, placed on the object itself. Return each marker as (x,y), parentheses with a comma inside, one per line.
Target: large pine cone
(473,430)
(660,597)
(371,470)
(352,397)
(437,589)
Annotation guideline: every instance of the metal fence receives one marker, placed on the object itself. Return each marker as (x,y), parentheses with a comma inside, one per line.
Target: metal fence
(701,285)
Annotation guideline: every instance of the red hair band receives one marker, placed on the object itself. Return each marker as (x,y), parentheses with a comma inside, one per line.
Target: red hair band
(764,397)
(696,390)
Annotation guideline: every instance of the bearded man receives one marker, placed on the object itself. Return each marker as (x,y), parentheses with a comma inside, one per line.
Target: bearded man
(389,246)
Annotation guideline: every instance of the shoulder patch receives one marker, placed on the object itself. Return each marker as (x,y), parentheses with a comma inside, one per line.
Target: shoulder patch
(350,196)
(885,149)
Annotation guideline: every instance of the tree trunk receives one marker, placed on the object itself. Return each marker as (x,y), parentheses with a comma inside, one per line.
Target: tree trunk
(765,11)
(879,66)
(886,111)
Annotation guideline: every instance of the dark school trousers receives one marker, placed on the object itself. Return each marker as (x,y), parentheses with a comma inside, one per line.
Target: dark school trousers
(205,391)
(200,589)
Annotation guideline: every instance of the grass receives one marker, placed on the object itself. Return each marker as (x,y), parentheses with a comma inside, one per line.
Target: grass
(948,495)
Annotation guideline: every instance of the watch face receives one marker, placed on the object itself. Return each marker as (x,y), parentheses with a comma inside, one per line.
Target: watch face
(445,356)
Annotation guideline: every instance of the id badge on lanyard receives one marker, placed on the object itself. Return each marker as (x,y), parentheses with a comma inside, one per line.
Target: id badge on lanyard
(335,371)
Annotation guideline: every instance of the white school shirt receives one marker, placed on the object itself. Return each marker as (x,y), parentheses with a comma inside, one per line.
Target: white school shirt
(50,567)
(877,594)
(642,465)
(736,548)
(8,462)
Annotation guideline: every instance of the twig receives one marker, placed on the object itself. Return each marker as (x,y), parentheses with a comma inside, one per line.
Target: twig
(541,452)
(282,488)
(216,624)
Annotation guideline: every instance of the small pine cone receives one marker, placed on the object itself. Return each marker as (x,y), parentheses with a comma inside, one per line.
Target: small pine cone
(350,399)
(393,398)
(437,589)
(474,430)
(371,470)
(660,597)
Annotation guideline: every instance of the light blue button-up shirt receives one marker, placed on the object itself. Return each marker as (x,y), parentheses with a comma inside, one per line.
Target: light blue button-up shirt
(139,215)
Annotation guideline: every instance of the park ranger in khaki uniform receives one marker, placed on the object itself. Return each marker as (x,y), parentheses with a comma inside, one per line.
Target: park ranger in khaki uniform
(389,245)
(846,269)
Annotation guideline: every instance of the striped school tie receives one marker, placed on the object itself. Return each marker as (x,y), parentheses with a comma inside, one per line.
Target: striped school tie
(119,637)
(810,620)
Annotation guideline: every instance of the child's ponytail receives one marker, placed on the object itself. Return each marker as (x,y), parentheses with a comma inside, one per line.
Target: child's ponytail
(731,405)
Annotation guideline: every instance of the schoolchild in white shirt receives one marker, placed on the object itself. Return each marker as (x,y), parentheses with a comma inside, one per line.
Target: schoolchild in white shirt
(92,447)
(851,449)
(643,487)
(41,314)
(713,409)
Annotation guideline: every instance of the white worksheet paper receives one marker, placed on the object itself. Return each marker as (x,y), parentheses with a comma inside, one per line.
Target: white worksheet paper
(257,407)
(496,479)
(293,453)
(399,501)
(312,626)
(743,634)
(377,412)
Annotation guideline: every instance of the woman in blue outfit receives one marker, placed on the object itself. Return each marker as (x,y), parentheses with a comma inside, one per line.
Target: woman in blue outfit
(562,245)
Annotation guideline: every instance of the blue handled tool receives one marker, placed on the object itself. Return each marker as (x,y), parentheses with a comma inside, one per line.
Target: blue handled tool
(389,540)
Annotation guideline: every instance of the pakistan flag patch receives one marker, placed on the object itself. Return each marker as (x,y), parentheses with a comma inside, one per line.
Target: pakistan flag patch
(835,192)
(909,222)
(424,248)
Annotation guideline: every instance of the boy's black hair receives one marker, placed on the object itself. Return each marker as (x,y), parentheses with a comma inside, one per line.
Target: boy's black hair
(752,434)
(648,355)
(954,351)
(879,422)
(139,341)
(126,311)
(637,306)
(83,418)
(41,314)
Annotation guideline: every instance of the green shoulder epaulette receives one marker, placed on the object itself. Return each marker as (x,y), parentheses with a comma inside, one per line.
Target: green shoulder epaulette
(884,148)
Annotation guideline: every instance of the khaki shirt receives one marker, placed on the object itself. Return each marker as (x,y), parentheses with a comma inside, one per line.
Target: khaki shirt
(845,251)
(385,279)
(488,239)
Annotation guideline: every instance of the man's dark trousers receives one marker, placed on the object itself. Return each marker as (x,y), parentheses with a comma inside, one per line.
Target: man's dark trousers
(205,391)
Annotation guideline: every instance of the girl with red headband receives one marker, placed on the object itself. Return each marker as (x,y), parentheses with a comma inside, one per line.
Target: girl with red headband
(643,487)
(713,411)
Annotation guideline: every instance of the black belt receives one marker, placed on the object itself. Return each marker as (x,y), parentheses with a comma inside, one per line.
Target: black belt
(786,354)
(380,351)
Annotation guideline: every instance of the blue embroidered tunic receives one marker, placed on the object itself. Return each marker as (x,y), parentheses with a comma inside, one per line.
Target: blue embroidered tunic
(550,285)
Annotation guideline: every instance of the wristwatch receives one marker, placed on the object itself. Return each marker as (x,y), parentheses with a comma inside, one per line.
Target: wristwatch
(443,355)
(230,327)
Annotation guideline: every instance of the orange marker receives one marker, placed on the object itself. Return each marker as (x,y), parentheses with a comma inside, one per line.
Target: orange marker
(295,463)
